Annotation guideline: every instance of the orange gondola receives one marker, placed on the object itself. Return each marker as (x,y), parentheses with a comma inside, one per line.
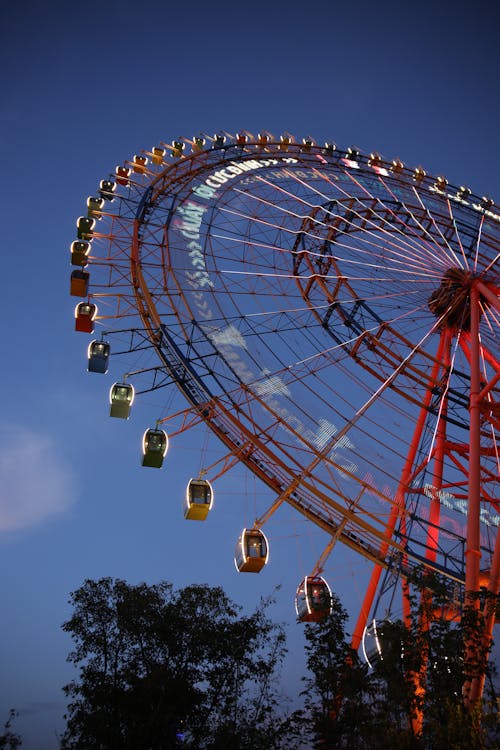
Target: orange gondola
(79,283)
(252,551)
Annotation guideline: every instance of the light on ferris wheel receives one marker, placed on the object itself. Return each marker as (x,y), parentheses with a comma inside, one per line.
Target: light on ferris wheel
(375,162)
(85,313)
(154,448)
(177,148)
(374,641)
(397,166)
(198,143)
(199,499)
(121,398)
(441,184)
(79,252)
(122,175)
(158,154)
(419,174)
(329,148)
(313,599)
(98,356)
(106,190)
(219,140)
(307,144)
(86,308)
(85,226)
(94,207)
(285,141)
(463,192)
(487,202)
(351,157)
(140,163)
(251,552)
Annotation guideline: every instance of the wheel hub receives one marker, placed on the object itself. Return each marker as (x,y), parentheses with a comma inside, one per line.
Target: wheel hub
(450,302)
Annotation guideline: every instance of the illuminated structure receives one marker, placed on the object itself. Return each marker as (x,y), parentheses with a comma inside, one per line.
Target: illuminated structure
(334,319)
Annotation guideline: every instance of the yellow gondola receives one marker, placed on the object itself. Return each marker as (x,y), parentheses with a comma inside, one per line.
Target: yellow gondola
(199,499)
(251,552)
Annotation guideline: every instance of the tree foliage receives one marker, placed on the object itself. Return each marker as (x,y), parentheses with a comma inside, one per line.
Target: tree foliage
(10,740)
(419,672)
(160,668)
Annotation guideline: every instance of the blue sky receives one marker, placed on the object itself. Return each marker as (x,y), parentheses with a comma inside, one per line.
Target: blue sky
(86,87)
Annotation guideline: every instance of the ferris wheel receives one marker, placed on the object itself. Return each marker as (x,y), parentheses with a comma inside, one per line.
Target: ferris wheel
(334,319)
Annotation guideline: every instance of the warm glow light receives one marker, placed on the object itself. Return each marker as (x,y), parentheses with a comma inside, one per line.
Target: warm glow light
(144,441)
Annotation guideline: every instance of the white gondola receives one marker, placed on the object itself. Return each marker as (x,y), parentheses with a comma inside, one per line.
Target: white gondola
(199,499)
(121,398)
(251,552)
(372,642)
(313,599)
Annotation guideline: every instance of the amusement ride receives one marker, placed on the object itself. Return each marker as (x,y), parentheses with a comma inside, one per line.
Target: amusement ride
(334,319)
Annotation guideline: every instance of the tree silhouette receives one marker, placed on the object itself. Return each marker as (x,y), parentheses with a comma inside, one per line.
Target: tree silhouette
(160,668)
(9,740)
(419,669)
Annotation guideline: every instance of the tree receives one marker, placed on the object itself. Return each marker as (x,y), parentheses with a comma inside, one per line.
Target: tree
(418,672)
(155,664)
(9,740)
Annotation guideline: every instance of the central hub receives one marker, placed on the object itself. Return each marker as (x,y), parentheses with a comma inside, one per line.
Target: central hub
(451,300)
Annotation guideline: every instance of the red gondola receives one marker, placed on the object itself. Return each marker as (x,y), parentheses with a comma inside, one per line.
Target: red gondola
(313,599)
(122,175)
(85,313)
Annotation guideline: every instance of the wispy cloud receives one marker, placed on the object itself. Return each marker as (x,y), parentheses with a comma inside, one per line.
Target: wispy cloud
(35,481)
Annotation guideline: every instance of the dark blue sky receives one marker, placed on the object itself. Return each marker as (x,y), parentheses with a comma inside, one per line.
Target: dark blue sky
(86,86)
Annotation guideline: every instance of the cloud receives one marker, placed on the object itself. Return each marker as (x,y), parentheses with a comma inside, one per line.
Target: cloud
(35,482)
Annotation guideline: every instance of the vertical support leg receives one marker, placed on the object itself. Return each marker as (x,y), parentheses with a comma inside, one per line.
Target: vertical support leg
(473,551)
(399,503)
